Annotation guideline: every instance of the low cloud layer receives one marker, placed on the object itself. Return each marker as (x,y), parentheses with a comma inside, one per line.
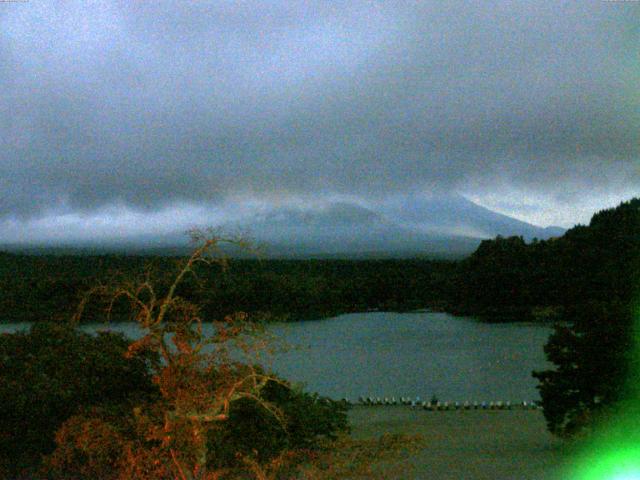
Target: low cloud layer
(531,108)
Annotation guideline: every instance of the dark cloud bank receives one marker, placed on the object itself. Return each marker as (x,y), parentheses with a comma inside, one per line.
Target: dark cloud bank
(119,113)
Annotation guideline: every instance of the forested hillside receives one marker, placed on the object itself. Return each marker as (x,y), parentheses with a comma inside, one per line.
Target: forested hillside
(595,263)
(588,279)
(504,279)
(35,288)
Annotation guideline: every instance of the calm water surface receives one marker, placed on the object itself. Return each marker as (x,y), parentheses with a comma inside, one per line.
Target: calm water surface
(404,354)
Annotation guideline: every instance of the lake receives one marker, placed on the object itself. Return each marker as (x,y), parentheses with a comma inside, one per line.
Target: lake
(386,354)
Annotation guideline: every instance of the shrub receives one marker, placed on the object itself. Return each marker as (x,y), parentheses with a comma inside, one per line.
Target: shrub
(49,373)
(592,355)
(307,421)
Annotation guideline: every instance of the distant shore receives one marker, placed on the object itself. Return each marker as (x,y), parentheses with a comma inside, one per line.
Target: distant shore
(472,444)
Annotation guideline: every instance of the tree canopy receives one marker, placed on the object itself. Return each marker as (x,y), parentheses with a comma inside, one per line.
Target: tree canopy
(588,281)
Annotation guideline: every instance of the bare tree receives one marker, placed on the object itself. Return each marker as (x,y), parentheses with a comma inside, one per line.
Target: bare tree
(197,373)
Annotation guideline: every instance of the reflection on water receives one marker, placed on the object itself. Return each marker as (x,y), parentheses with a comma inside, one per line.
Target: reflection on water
(404,354)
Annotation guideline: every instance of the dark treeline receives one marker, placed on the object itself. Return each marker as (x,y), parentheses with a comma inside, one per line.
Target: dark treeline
(39,287)
(504,279)
(598,263)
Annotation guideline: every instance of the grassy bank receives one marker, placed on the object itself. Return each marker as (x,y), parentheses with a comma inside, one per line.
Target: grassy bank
(474,445)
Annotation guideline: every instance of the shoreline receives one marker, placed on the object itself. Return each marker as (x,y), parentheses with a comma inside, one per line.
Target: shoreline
(469,444)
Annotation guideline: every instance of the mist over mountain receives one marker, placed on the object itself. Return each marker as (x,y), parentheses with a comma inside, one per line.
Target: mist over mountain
(345,229)
(445,226)
(456,215)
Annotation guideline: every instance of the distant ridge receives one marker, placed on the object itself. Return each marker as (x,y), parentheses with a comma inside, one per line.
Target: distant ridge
(442,227)
(456,214)
(446,226)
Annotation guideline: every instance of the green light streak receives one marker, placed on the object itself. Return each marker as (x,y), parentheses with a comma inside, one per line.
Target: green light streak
(614,452)
(615,464)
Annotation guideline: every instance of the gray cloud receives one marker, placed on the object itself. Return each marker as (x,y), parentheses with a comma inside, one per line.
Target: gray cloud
(151,104)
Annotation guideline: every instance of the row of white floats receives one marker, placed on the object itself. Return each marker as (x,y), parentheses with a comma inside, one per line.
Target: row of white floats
(437,405)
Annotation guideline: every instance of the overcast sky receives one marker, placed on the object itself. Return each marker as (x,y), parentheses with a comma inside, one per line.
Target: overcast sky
(121,116)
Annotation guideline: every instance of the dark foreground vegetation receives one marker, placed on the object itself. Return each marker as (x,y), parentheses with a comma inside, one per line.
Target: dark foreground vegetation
(174,404)
(73,405)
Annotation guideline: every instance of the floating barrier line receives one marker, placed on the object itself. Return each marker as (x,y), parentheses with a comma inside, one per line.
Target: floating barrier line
(435,405)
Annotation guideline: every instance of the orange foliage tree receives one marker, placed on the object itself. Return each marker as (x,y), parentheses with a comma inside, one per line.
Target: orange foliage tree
(203,375)
(198,375)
